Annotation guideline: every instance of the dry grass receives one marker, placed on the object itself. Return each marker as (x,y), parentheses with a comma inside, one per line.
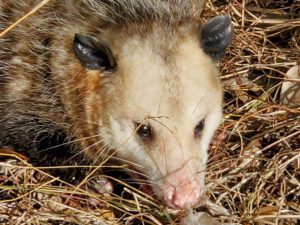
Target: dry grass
(253,175)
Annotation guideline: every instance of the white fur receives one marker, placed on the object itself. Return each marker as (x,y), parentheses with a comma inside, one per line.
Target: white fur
(173,98)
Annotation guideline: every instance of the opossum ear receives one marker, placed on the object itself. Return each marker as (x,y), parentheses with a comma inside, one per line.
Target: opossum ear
(93,54)
(216,36)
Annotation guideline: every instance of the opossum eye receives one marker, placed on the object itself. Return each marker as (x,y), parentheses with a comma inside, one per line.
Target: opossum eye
(216,36)
(144,130)
(93,54)
(198,129)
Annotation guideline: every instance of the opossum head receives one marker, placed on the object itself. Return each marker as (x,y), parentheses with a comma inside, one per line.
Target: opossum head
(164,102)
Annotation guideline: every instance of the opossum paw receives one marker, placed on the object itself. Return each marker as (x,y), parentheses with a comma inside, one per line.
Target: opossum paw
(100,185)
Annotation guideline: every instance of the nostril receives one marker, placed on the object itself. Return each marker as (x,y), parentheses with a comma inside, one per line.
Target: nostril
(197,194)
(169,196)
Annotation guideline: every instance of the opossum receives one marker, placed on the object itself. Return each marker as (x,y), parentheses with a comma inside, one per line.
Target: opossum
(134,80)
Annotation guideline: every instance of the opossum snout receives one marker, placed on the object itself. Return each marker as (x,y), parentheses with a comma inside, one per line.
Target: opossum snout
(185,193)
(183,196)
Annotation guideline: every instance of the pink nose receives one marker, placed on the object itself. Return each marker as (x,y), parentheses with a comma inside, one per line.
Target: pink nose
(183,196)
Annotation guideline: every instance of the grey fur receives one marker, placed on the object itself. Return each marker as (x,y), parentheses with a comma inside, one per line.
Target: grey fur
(33,117)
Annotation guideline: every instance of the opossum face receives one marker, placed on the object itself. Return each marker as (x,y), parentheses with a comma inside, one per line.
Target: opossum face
(166,108)
(166,120)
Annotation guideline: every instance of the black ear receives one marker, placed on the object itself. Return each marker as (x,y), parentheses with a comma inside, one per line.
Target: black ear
(216,36)
(93,54)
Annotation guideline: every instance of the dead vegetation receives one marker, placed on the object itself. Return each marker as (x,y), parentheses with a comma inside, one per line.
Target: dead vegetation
(253,175)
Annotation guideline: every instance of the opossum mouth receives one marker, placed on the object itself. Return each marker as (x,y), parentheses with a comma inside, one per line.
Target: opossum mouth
(142,181)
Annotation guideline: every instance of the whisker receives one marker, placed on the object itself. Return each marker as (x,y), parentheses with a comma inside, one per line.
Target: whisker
(71,142)
(82,151)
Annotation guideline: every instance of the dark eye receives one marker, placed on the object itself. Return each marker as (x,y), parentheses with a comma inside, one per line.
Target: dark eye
(198,129)
(144,130)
